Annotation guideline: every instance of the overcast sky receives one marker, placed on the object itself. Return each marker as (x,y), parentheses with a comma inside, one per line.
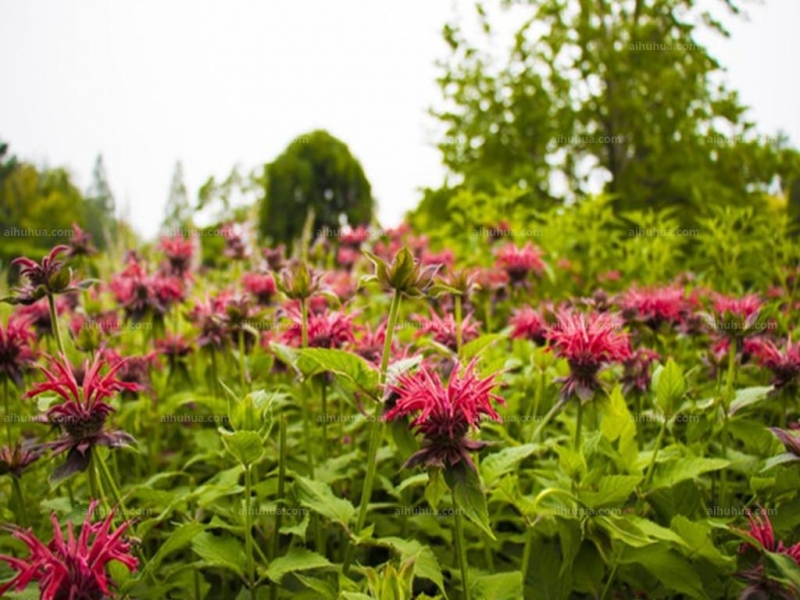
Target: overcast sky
(149,82)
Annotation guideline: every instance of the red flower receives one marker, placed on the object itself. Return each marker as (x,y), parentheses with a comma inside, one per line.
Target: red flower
(735,317)
(325,330)
(528,325)
(784,364)
(141,294)
(179,253)
(15,459)
(80,244)
(444,415)
(444,329)
(235,246)
(654,306)
(518,263)
(761,531)
(353,238)
(443,259)
(346,256)
(636,375)
(83,412)
(588,342)
(75,568)
(789,438)
(16,355)
(48,277)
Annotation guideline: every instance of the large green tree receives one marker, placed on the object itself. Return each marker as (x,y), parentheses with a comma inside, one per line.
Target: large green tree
(318,173)
(598,90)
(178,211)
(100,206)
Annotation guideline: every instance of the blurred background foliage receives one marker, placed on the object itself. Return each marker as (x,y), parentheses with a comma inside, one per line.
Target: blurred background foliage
(576,129)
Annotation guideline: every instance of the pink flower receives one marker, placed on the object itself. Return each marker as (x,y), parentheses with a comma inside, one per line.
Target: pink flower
(735,317)
(654,306)
(784,363)
(83,411)
(179,253)
(16,355)
(444,415)
(518,263)
(353,238)
(588,343)
(325,330)
(636,375)
(80,244)
(346,256)
(75,568)
(235,246)
(143,295)
(443,329)
(15,459)
(261,286)
(528,325)
(46,278)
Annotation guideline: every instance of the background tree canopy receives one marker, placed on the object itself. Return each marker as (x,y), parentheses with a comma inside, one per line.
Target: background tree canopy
(316,172)
(622,92)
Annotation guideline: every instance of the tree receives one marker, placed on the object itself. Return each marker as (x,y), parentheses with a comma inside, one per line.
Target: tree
(100,206)
(178,211)
(318,173)
(621,91)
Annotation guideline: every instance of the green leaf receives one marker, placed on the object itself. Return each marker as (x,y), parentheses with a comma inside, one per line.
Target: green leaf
(425,563)
(780,459)
(435,488)
(670,387)
(747,397)
(347,366)
(673,571)
(611,491)
(246,446)
(220,551)
(500,586)
(297,559)
(697,536)
(465,486)
(478,345)
(788,569)
(320,498)
(179,538)
(684,469)
(498,464)
(618,424)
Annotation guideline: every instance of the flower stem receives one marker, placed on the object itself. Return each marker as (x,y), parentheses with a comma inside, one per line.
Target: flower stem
(461,549)
(7,413)
(248,532)
(458,325)
(375,432)
(242,363)
(579,426)
(556,407)
(20,501)
(279,499)
(526,553)
(659,440)
(324,415)
(51,301)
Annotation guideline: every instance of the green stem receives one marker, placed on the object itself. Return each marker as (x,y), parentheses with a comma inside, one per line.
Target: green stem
(19,497)
(248,533)
(556,407)
(279,499)
(376,432)
(659,440)
(579,426)
(242,363)
(726,402)
(612,575)
(51,301)
(461,549)
(458,325)
(324,415)
(7,413)
(526,553)
(537,398)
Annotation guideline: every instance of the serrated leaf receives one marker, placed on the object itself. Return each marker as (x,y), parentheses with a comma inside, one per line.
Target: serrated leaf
(319,497)
(468,496)
(670,387)
(246,446)
(297,559)
(611,491)
(220,551)
(478,345)
(697,537)
(176,540)
(684,469)
(748,397)
(350,367)
(426,564)
(672,570)
(499,463)
(500,586)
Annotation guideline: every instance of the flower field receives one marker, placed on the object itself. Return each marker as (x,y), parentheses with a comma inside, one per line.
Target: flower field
(392,415)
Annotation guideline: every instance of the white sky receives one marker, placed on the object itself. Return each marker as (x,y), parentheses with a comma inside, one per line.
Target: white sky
(148,82)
